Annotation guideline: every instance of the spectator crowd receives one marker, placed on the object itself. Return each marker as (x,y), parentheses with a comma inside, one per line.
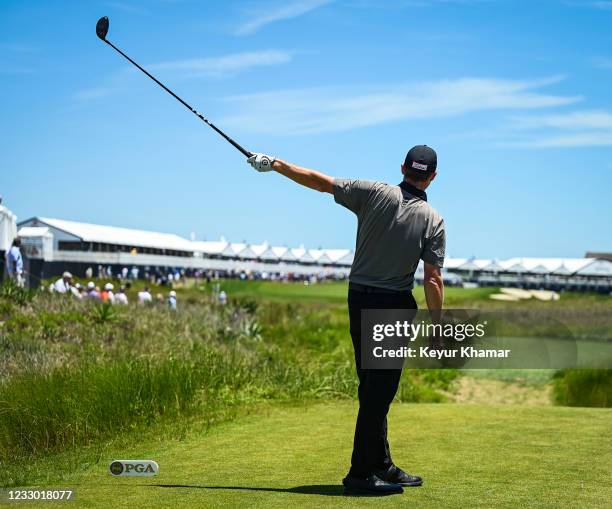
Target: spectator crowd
(106,293)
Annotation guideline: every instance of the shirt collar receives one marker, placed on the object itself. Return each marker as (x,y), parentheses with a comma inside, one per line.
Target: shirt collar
(415,191)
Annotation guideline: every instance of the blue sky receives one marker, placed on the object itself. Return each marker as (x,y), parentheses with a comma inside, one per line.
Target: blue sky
(514,96)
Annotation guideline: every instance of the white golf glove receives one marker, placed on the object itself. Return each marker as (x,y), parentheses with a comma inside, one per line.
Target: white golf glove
(261,162)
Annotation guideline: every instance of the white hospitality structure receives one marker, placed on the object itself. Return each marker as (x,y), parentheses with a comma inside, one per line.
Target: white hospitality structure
(76,246)
(60,245)
(8,228)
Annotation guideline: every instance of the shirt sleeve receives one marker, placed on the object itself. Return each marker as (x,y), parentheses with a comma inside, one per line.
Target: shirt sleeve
(352,194)
(435,245)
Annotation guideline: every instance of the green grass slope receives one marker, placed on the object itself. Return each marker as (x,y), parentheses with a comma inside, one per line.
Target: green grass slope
(470,456)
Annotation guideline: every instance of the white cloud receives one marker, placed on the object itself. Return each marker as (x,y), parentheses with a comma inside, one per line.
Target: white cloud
(17,47)
(602,63)
(605,5)
(126,7)
(575,120)
(428,3)
(227,65)
(593,4)
(573,129)
(586,139)
(333,109)
(264,14)
(93,93)
(214,67)
(16,70)
(401,4)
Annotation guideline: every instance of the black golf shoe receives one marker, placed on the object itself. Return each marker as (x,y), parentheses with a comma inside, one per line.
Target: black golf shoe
(371,485)
(396,475)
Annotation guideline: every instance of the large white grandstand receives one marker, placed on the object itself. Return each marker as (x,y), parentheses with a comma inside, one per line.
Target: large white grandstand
(55,245)
(70,245)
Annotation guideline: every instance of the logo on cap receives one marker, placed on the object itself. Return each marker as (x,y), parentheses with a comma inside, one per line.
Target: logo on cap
(419,166)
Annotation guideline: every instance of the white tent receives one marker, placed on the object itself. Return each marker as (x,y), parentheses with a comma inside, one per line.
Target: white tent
(247,253)
(489,265)
(259,249)
(561,270)
(346,259)
(539,269)
(469,265)
(287,255)
(271,254)
(320,256)
(37,242)
(8,228)
(209,247)
(302,255)
(335,255)
(513,265)
(98,233)
(233,248)
(454,263)
(596,268)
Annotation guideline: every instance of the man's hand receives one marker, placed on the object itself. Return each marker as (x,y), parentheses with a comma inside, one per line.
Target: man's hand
(304,176)
(261,162)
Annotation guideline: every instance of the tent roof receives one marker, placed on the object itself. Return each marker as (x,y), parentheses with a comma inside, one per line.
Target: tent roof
(469,265)
(285,253)
(259,249)
(453,263)
(88,232)
(247,252)
(551,265)
(34,231)
(321,255)
(209,246)
(596,268)
(8,228)
(346,259)
(233,248)
(335,255)
(302,254)
(270,253)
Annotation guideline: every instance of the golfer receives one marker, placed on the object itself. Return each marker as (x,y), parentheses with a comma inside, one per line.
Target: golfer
(396,229)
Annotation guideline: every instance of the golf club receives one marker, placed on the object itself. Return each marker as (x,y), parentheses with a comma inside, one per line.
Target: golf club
(102,30)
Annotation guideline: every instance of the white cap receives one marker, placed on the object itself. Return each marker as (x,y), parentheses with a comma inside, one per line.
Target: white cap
(172,293)
(67,275)
(108,286)
(91,285)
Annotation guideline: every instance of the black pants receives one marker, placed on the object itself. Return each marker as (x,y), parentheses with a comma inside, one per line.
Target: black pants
(377,388)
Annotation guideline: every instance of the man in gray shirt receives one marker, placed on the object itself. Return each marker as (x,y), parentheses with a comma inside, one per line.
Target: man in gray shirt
(396,229)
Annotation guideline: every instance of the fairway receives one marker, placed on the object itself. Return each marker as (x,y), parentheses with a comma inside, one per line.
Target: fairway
(469,456)
(336,292)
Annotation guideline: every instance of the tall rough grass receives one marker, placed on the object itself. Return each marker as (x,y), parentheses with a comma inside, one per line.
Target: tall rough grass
(75,373)
(583,387)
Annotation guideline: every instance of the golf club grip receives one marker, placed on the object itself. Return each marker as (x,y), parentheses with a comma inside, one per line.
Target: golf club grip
(193,110)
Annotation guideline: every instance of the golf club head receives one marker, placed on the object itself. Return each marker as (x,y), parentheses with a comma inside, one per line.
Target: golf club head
(102,27)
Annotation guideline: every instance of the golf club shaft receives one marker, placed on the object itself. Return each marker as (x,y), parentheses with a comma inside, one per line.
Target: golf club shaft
(193,110)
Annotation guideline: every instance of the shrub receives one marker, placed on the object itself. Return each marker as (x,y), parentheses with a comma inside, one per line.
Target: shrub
(583,387)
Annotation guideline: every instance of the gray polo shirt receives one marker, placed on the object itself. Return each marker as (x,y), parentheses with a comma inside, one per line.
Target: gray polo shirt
(395,230)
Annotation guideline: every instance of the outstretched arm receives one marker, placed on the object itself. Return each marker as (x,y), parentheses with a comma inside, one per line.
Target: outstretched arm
(309,178)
